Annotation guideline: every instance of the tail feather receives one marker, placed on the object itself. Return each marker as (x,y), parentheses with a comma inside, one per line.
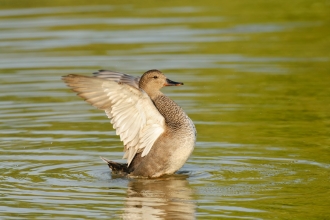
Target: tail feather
(117,168)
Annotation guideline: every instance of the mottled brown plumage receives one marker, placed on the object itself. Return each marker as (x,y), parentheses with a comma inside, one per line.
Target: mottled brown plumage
(158,136)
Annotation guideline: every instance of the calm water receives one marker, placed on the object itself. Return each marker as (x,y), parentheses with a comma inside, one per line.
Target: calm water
(256,77)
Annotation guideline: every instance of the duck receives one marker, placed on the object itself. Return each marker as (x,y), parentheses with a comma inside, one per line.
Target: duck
(158,136)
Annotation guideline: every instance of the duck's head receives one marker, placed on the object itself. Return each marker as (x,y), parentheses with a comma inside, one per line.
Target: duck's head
(153,80)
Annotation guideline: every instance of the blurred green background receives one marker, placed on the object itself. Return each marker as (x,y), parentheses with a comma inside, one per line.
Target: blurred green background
(256,77)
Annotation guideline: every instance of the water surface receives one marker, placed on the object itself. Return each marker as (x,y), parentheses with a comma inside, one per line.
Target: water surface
(256,80)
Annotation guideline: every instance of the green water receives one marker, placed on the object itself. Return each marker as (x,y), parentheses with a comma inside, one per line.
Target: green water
(256,77)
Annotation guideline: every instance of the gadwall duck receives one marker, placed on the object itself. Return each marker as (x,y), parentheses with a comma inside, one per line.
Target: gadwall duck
(158,136)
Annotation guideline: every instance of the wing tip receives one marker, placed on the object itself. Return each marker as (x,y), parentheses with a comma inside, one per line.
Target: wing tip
(68,76)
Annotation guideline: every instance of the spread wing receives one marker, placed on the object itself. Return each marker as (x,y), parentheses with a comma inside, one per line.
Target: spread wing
(118,77)
(132,112)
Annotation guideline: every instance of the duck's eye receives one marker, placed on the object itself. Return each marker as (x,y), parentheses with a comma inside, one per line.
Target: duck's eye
(155,77)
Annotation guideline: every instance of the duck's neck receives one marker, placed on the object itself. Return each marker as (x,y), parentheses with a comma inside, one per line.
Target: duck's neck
(154,94)
(175,118)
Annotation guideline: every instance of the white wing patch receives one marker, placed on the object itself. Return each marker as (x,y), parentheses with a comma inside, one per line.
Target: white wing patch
(134,116)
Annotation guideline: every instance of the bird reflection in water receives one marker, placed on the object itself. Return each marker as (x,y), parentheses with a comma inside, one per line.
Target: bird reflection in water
(163,198)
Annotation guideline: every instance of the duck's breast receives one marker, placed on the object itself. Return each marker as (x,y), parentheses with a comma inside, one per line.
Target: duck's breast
(180,134)
(181,152)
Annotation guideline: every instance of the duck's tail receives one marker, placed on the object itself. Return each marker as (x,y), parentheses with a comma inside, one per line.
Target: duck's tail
(117,168)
